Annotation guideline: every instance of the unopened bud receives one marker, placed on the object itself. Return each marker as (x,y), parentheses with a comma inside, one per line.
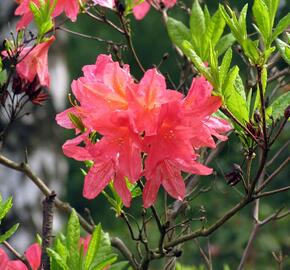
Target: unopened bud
(235,176)
(120,6)
(287,112)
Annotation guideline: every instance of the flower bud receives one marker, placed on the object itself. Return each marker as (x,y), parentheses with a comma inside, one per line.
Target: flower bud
(287,112)
(235,176)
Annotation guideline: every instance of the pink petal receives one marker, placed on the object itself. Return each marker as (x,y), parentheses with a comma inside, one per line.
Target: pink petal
(16,265)
(33,255)
(3,259)
(150,190)
(63,119)
(122,190)
(105,3)
(34,62)
(98,177)
(141,10)
(169,3)
(72,150)
(172,180)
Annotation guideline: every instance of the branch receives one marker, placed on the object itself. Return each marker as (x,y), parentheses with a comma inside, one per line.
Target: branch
(277,154)
(230,115)
(129,41)
(17,255)
(269,179)
(279,74)
(24,168)
(272,192)
(48,205)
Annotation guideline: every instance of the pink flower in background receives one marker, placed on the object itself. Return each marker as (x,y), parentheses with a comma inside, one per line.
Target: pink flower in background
(34,62)
(69,7)
(32,254)
(142,9)
(105,3)
(130,121)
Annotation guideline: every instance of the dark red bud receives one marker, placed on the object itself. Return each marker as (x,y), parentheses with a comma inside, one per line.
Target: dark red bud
(287,112)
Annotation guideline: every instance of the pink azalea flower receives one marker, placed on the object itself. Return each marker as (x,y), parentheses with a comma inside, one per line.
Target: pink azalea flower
(136,119)
(142,9)
(34,62)
(170,152)
(32,254)
(69,7)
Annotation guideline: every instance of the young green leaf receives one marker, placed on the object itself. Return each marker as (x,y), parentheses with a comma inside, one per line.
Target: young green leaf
(8,233)
(284,50)
(225,65)
(177,32)
(278,107)
(93,247)
(104,256)
(196,60)
(5,207)
(77,122)
(197,22)
(72,240)
(120,266)
(218,27)
(283,24)
(262,17)
(234,96)
(224,43)
(58,260)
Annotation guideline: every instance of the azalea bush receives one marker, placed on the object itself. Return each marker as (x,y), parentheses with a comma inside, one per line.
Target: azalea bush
(147,143)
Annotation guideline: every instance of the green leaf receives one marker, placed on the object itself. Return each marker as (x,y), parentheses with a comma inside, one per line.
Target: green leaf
(8,233)
(249,99)
(264,77)
(104,254)
(120,266)
(224,43)
(76,121)
(62,251)
(3,77)
(4,208)
(105,261)
(93,247)
(282,47)
(218,29)
(243,20)
(177,32)
(58,260)
(234,96)
(197,61)
(281,26)
(72,240)
(272,7)
(225,65)
(197,23)
(278,107)
(262,17)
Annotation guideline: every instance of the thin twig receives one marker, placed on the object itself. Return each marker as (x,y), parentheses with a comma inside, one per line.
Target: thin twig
(17,254)
(269,179)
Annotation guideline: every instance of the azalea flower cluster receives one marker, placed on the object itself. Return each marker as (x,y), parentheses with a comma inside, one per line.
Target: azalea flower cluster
(144,129)
(71,8)
(32,255)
